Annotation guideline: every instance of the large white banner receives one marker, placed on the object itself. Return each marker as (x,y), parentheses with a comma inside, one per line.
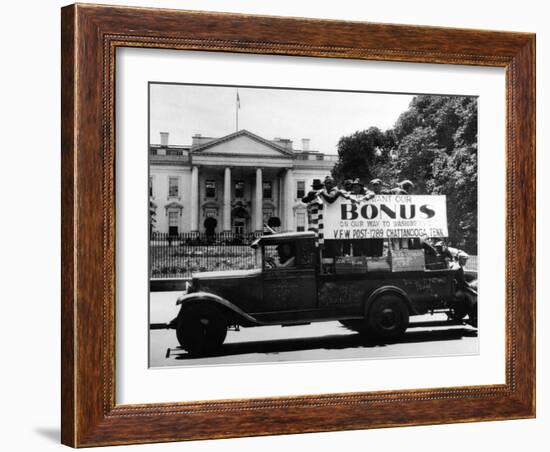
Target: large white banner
(386,216)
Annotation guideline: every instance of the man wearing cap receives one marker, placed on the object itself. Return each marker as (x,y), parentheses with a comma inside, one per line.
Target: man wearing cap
(378,187)
(359,193)
(330,193)
(346,189)
(316,187)
(285,257)
(404,187)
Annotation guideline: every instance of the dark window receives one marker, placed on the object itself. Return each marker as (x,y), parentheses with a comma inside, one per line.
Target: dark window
(173,187)
(150,186)
(239,189)
(300,189)
(268,189)
(210,188)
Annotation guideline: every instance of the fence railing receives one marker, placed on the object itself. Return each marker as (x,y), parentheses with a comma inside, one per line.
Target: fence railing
(180,255)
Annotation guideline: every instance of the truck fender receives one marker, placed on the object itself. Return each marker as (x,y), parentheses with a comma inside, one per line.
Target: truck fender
(389,290)
(205,297)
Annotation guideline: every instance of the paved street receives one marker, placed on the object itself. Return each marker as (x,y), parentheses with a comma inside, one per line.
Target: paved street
(427,336)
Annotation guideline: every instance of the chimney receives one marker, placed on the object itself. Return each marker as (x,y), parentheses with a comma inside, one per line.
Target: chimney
(196,139)
(305,144)
(164,139)
(284,142)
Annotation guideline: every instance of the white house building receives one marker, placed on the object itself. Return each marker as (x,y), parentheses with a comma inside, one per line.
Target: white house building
(235,183)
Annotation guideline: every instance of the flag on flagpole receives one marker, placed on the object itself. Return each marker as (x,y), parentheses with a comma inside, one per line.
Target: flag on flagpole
(237,108)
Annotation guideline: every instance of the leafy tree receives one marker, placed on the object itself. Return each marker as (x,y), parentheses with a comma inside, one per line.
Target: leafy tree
(434,144)
(358,153)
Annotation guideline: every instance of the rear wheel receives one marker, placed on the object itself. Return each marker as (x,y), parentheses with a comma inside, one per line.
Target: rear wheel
(201,329)
(388,317)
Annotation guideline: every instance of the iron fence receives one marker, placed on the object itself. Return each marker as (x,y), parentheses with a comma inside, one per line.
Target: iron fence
(180,255)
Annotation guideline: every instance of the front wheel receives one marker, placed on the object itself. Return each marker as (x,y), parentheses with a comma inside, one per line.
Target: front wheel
(201,329)
(388,317)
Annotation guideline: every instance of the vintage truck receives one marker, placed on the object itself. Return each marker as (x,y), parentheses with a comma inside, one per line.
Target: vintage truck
(298,282)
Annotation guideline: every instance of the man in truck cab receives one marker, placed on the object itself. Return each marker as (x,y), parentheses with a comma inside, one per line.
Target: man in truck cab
(286,256)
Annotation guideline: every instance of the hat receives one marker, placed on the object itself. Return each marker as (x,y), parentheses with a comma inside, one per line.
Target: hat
(398,191)
(357,182)
(316,185)
(329,179)
(406,183)
(462,255)
(376,182)
(348,182)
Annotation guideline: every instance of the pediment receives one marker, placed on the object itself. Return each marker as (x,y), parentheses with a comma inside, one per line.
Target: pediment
(242,143)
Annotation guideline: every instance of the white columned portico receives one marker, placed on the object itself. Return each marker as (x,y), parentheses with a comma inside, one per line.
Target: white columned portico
(195,199)
(227,200)
(258,202)
(289,200)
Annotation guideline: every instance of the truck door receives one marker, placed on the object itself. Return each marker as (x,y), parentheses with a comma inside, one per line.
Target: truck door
(290,287)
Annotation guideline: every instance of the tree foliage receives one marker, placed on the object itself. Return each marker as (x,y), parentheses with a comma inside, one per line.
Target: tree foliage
(360,152)
(434,144)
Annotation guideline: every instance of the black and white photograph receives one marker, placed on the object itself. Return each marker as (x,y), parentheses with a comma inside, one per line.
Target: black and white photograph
(291,224)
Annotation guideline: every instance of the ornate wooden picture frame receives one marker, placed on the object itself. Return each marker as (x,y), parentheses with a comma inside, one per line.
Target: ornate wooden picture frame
(90,37)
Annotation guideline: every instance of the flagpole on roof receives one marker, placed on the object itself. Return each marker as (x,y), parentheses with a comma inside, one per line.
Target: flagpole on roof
(237,107)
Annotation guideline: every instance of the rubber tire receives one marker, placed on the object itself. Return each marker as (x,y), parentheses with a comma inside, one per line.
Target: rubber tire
(388,317)
(201,329)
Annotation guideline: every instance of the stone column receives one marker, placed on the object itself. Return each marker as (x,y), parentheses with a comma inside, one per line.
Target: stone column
(276,197)
(258,202)
(289,200)
(227,200)
(282,202)
(195,199)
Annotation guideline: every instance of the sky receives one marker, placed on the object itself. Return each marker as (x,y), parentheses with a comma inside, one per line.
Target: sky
(322,116)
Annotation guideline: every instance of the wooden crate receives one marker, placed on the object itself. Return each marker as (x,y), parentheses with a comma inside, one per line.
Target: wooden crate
(407,260)
(351,264)
(378,264)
